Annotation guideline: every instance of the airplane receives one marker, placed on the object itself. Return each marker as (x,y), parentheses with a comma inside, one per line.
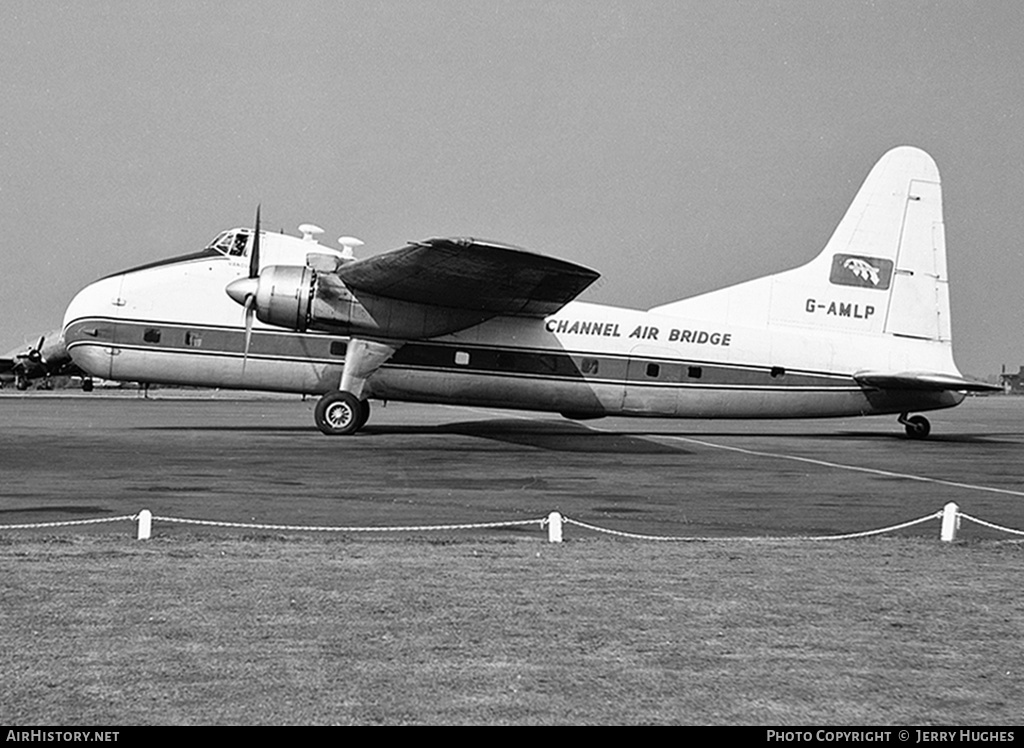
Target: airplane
(46,359)
(861,329)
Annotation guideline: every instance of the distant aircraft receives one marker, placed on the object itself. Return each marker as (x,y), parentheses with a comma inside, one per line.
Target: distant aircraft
(862,329)
(46,359)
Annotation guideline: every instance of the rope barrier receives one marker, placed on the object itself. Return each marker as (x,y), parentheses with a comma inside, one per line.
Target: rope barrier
(69,522)
(989,524)
(848,536)
(553,522)
(407,528)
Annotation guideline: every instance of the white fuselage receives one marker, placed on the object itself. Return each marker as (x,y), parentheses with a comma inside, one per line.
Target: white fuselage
(173,323)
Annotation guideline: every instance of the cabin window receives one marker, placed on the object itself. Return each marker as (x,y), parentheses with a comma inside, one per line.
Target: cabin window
(193,339)
(589,365)
(462,358)
(151,335)
(339,348)
(778,371)
(653,371)
(695,372)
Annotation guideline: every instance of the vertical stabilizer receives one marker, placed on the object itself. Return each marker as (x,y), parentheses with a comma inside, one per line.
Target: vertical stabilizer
(883,272)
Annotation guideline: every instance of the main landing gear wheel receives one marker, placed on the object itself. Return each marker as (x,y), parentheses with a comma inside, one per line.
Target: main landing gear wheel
(364,413)
(917,427)
(341,413)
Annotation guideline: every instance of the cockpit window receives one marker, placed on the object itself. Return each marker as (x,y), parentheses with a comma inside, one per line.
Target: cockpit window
(238,248)
(232,243)
(222,242)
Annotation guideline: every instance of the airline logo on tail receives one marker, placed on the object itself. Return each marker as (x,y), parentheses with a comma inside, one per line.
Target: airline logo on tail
(863,272)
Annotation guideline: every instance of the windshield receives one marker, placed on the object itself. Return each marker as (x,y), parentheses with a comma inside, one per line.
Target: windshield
(231,243)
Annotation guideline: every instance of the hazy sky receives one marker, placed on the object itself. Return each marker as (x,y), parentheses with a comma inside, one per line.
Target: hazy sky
(674,146)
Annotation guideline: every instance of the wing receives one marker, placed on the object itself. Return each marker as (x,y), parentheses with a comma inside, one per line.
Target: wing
(470,274)
(922,380)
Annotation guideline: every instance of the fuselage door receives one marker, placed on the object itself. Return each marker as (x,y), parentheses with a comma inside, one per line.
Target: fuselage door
(652,381)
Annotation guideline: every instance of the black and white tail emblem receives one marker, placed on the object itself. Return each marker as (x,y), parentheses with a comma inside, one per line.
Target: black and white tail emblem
(863,272)
(862,269)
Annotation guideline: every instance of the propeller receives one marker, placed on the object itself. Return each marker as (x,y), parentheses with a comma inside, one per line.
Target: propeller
(35,355)
(244,290)
(250,299)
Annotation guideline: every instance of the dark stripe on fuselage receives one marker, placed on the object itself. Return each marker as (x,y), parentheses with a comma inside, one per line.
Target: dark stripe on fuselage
(205,254)
(448,358)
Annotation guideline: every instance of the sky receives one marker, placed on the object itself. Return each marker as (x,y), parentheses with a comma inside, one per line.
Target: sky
(676,147)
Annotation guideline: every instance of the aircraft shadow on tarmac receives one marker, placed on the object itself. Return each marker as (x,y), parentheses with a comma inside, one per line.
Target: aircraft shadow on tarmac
(577,437)
(569,436)
(546,435)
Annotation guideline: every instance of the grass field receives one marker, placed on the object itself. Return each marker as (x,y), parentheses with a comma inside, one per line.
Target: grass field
(292,630)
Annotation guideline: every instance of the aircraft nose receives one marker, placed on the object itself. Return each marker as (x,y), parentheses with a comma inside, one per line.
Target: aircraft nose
(242,289)
(98,299)
(89,325)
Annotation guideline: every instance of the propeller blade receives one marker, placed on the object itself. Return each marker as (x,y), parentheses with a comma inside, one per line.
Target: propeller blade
(250,310)
(35,355)
(254,257)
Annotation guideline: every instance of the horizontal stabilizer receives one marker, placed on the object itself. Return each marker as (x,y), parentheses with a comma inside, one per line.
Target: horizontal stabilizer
(927,381)
(470,274)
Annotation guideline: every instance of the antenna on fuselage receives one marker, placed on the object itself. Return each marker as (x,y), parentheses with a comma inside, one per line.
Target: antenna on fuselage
(310,231)
(348,245)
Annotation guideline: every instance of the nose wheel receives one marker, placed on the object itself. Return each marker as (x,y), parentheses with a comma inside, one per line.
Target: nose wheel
(917,427)
(341,413)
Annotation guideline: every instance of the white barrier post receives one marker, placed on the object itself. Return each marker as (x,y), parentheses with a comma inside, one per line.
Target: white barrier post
(950,522)
(554,527)
(145,524)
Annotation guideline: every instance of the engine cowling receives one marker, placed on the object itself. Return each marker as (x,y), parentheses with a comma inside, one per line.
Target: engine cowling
(283,296)
(299,298)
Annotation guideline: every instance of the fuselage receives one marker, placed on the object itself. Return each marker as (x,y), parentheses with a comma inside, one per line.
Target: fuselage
(173,323)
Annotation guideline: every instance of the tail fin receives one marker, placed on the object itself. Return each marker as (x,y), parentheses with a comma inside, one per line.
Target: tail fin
(883,272)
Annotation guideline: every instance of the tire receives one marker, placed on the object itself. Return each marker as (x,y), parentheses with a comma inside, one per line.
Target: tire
(339,414)
(917,427)
(364,413)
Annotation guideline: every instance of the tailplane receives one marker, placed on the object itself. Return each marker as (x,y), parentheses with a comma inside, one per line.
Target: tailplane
(883,272)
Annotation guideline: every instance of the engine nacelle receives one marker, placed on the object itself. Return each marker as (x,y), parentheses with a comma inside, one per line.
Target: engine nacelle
(301,298)
(283,296)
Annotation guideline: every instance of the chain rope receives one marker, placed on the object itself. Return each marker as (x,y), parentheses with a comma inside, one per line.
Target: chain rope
(541,523)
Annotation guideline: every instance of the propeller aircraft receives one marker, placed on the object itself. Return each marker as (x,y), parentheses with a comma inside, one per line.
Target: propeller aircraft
(46,359)
(861,329)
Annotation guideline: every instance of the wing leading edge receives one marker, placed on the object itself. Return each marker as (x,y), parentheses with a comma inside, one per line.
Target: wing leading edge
(470,274)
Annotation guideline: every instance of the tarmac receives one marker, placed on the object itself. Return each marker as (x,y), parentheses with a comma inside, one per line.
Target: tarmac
(231,457)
